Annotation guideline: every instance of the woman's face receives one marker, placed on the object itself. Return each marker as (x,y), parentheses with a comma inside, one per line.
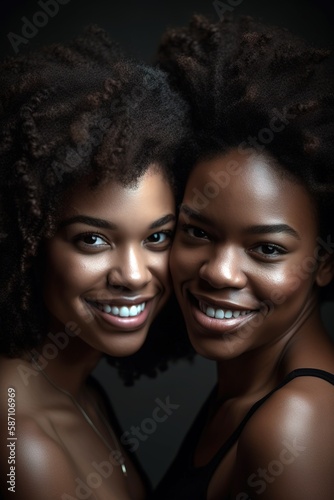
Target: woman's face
(244,259)
(107,266)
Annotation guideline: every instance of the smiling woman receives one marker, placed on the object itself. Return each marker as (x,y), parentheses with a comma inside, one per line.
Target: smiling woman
(117,236)
(252,258)
(88,145)
(248,243)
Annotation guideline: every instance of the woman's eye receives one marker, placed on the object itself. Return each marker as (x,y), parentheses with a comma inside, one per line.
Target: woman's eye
(91,239)
(161,237)
(270,250)
(194,231)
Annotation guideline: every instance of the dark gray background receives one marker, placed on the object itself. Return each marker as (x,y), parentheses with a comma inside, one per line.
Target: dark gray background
(137,26)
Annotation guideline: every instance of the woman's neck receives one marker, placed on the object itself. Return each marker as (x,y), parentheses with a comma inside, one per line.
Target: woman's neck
(65,360)
(258,371)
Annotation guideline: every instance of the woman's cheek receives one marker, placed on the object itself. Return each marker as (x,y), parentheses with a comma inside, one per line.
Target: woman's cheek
(179,263)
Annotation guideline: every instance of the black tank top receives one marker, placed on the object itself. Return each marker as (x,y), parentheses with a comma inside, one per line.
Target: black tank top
(185,482)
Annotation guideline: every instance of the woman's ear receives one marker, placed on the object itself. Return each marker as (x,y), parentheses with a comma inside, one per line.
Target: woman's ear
(325,271)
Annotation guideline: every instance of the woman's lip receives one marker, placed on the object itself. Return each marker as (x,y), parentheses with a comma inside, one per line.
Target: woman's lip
(219,326)
(123,323)
(119,302)
(226,305)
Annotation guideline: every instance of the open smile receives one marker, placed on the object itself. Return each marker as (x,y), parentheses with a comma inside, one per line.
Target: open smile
(222,319)
(126,317)
(122,311)
(218,313)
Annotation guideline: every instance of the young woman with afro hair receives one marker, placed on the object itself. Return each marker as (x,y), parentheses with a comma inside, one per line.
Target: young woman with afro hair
(252,259)
(88,148)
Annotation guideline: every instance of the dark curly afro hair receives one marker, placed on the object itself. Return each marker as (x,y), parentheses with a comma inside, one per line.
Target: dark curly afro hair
(68,111)
(255,86)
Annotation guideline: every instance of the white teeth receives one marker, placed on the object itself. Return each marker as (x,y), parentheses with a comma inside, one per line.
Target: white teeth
(133,311)
(221,313)
(210,312)
(123,311)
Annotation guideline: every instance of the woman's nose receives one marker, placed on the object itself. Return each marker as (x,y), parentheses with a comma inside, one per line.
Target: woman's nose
(132,271)
(224,268)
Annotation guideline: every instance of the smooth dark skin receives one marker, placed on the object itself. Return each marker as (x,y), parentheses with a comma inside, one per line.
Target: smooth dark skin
(224,256)
(126,262)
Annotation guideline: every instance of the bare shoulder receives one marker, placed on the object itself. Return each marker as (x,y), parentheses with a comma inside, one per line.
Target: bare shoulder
(287,448)
(40,464)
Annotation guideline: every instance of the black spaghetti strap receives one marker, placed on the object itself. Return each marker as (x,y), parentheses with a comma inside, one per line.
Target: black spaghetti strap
(312,372)
(300,372)
(185,481)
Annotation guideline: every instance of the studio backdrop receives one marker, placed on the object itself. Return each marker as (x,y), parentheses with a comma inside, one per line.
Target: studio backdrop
(176,395)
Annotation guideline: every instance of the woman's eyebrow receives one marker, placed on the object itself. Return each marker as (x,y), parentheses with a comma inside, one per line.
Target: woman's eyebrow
(194,214)
(90,221)
(93,221)
(256,229)
(272,229)
(162,221)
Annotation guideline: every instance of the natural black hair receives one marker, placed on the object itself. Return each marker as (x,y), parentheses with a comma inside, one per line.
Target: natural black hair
(255,86)
(68,111)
